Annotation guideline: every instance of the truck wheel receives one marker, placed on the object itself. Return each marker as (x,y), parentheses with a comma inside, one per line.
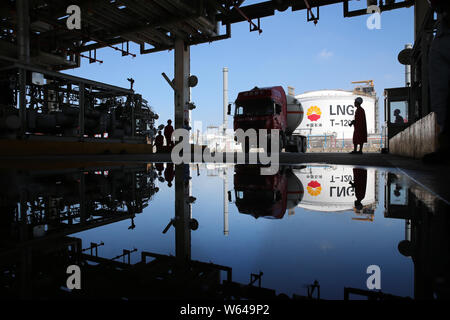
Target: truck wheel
(293,149)
(282,147)
(303,145)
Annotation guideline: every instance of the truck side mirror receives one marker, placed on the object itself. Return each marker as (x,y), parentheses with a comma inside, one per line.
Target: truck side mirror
(229,109)
(278,196)
(277,109)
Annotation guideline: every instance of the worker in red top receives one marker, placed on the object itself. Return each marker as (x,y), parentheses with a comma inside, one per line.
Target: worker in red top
(159,141)
(359,184)
(168,130)
(360,133)
(169,174)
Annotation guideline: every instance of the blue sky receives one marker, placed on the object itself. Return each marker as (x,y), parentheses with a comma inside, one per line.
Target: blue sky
(289,51)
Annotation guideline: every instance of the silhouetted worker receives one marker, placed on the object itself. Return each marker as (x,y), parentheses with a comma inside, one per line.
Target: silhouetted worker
(6,94)
(360,133)
(186,125)
(159,142)
(439,79)
(397,190)
(168,130)
(169,174)
(398,118)
(159,167)
(359,184)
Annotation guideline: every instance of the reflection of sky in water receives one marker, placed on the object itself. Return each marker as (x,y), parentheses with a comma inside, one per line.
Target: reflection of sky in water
(292,252)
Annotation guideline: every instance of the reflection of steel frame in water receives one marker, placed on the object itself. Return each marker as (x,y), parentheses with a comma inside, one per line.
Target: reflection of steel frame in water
(70,201)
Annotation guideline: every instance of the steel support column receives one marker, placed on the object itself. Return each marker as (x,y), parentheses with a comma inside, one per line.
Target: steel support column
(82,105)
(182,72)
(23,53)
(420,10)
(23,31)
(423,38)
(182,182)
(182,214)
(82,194)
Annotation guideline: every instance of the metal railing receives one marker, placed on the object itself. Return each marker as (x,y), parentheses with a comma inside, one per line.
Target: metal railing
(329,143)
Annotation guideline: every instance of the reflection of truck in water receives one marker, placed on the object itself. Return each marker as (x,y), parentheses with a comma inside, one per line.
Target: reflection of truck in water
(270,108)
(266,196)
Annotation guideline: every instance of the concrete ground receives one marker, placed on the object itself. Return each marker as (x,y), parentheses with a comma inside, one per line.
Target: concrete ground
(434,178)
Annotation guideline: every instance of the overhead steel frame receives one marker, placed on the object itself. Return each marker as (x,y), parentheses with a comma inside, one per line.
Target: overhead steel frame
(382,7)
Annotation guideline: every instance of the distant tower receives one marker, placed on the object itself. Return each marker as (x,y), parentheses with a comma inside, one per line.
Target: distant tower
(225,97)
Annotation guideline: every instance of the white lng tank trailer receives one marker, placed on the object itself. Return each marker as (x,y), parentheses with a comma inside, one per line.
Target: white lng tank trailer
(329,112)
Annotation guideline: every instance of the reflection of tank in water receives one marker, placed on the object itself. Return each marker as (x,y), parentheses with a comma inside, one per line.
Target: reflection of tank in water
(331,189)
(266,195)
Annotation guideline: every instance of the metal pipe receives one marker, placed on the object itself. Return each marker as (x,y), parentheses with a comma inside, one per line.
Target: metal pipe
(408,69)
(182,73)
(408,230)
(256,27)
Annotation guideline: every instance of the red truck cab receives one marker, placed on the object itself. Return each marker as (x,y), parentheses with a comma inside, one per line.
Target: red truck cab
(261,108)
(259,195)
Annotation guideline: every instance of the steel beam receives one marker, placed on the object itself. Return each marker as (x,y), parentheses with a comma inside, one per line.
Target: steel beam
(383,8)
(182,73)
(23,30)
(68,77)
(182,184)
(182,214)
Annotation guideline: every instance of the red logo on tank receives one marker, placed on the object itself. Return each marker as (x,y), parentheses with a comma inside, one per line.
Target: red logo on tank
(314,188)
(314,113)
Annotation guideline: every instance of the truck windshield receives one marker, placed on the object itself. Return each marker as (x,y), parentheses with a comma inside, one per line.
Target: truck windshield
(257,107)
(257,197)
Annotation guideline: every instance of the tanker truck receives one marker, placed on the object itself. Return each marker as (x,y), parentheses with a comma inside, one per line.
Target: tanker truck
(268,196)
(270,108)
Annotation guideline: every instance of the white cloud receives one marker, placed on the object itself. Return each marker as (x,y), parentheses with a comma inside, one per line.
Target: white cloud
(325,54)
